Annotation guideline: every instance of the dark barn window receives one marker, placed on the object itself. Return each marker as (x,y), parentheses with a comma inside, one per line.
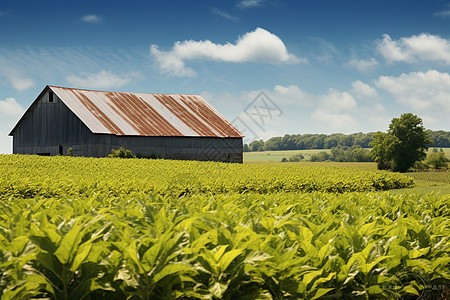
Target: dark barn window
(50,96)
(60,150)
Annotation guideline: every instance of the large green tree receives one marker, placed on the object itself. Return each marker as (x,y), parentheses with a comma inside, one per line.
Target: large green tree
(405,143)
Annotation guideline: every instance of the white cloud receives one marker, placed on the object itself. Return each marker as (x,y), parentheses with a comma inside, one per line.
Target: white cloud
(421,91)
(337,122)
(223,14)
(423,47)
(10,113)
(291,95)
(249,3)
(362,90)
(363,65)
(256,46)
(21,83)
(92,18)
(304,112)
(335,101)
(102,80)
(284,95)
(9,108)
(443,13)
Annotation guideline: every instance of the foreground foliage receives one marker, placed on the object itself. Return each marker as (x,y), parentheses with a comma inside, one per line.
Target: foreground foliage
(279,246)
(79,228)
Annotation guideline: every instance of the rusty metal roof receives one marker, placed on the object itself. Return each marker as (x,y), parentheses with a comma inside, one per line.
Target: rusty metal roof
(140,114)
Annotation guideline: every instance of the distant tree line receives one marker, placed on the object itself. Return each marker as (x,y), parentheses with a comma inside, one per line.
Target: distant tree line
(441,139)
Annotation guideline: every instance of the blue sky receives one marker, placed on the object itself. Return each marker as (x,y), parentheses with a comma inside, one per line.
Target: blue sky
(323,66)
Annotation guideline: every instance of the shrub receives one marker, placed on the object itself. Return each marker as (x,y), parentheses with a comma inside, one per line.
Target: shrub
(436,160)
(69,152)
(321,156)
(121,153)
(297,157)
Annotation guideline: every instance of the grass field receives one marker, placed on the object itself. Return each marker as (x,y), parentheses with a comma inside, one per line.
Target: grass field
(87,228)
(277,156)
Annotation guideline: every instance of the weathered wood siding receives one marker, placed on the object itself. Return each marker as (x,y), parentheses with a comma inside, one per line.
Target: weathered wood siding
(50,128)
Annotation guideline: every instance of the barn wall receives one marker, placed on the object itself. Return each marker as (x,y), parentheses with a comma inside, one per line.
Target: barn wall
(192,148)
(51,127)
(47,127)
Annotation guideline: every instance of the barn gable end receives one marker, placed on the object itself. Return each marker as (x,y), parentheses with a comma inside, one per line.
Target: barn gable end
(92,123)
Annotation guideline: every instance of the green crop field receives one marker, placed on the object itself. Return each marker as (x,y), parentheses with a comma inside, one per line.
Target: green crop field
(88,228)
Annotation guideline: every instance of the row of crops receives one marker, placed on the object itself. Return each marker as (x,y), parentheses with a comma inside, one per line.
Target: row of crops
(28,176)
(78,228)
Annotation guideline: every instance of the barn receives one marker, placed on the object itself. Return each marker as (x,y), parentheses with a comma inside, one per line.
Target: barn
(92,123)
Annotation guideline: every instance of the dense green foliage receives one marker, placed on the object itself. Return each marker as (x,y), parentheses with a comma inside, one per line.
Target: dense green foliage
(405,143)
(436,160)
(323,141)
(121,153)
(25,176)
(85,228)
(343,154)
(277,246)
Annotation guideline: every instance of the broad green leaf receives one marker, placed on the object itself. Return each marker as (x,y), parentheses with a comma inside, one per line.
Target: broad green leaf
(310,276)
(375,289)
(50,262)
(228,258)
(321,292)
(323,280)
(80,256)
(172,269)
(18,245)
(131,252)
(306,234)
(410,290)
(70,243)
(366,268)
(220,252)
(418,253)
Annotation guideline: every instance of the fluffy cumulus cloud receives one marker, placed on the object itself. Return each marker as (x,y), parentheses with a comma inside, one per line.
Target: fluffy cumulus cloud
(336,101)
(334,110)
(92,18)
(10,113)
(423,92)
(256,46)
(363,91)
(101,80)
(422,47)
